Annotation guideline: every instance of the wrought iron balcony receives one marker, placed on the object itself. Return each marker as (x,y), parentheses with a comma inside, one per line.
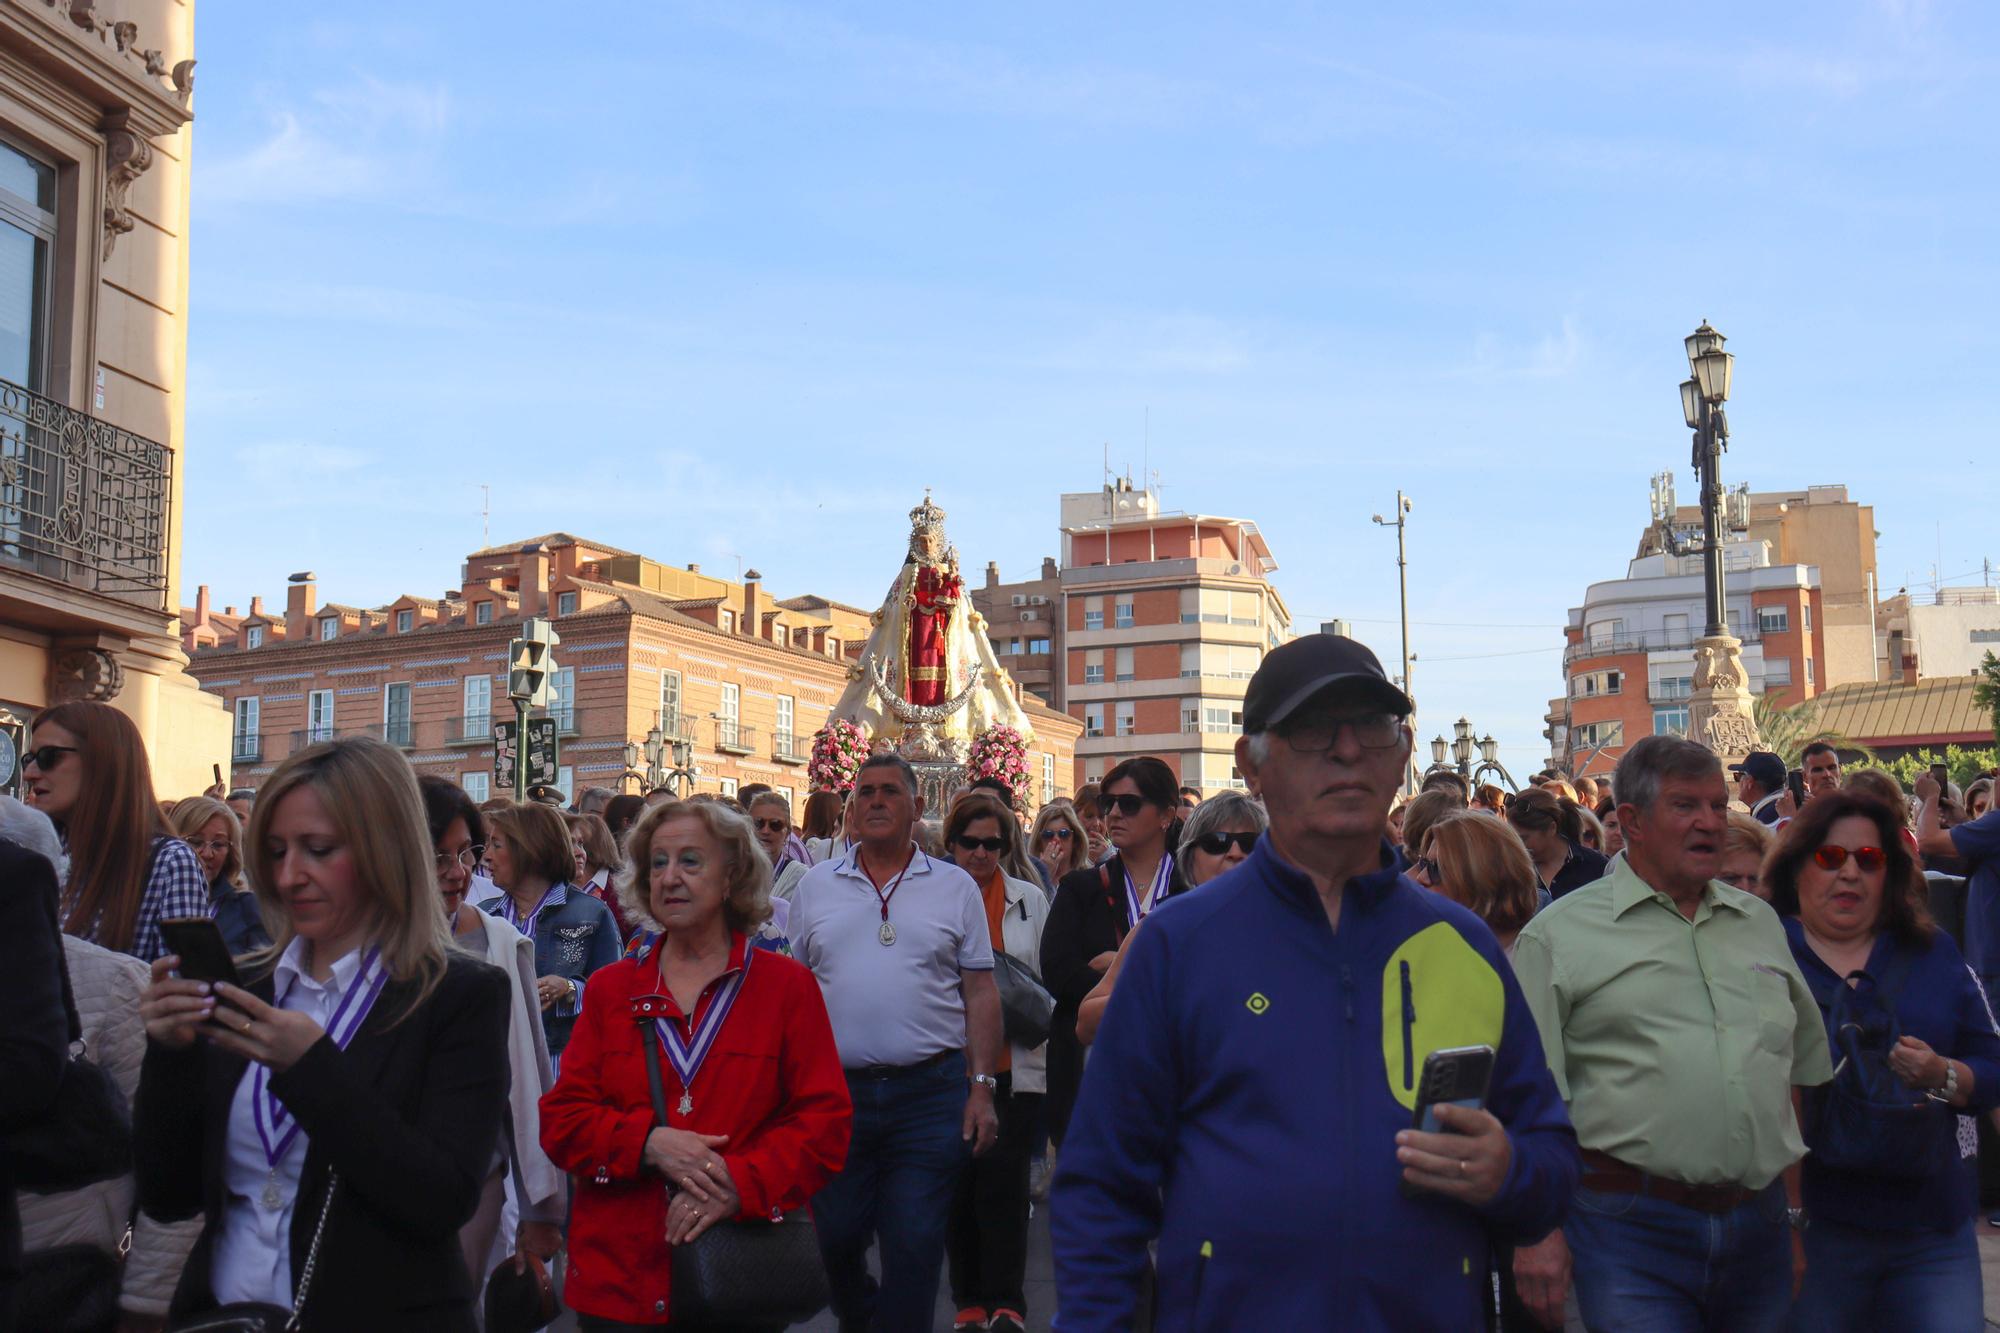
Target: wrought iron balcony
(245,749)
(786,749)
(471,729)
(732,737)
(82,501)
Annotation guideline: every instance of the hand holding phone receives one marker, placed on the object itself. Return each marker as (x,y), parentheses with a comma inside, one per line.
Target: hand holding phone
(204,954)
(1457,1148)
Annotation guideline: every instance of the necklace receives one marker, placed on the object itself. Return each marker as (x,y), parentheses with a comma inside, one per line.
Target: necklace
(887,934)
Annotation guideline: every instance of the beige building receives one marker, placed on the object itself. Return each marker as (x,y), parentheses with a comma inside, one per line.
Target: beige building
(1025,622)
(95,138)
(743,679)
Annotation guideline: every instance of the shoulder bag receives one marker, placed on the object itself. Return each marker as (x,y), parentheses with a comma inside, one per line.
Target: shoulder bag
(741,1272)
(262,1316)
(86,1136)
(1866,1120)
(1026,1007)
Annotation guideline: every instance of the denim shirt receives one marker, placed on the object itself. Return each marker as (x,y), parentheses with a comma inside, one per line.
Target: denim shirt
(573,938)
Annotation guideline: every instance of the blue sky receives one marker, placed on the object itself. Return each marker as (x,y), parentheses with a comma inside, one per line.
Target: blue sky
(739,280)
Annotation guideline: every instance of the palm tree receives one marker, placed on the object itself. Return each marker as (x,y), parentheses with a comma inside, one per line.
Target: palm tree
(1788,731)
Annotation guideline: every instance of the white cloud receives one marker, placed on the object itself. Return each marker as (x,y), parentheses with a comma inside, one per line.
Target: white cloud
(360,138)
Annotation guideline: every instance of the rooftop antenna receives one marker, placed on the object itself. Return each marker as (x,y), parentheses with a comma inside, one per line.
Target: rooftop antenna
(1146,446)
(485,515)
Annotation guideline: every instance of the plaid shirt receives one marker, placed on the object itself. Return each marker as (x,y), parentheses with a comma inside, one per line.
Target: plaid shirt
(175,887)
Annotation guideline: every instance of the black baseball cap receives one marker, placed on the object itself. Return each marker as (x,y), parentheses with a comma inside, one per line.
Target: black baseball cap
(1295,673)
(1767,768)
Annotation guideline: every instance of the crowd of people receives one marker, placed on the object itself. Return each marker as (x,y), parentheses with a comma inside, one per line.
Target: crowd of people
(698,1055)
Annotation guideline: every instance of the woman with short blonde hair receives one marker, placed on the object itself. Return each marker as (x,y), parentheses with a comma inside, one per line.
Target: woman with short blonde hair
(1059,842)
(1746,845)
(1482,865)
(212,830)
(746,902)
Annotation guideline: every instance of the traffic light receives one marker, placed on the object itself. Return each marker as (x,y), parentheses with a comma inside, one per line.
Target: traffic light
(531,664)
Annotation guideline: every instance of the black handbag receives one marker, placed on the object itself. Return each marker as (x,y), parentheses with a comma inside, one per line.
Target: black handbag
(742,1272)
(86,1136)
(262,1316)
(1026,1006)
(68,1289)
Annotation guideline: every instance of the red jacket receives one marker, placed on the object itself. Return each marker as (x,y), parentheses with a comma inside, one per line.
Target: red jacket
(772,1082)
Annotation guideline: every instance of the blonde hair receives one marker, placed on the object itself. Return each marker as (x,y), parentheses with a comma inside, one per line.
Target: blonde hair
(192,814)
(1485,867)
(369,791)
(1062,812)
(1747,834)
(746,902)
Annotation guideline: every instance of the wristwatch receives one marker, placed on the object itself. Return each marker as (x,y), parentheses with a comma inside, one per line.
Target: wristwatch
(987,1081)
(1947,1090)
(1796,1219)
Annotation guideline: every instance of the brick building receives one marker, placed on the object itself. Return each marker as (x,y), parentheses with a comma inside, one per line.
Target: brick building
(1025,622)
(745,678)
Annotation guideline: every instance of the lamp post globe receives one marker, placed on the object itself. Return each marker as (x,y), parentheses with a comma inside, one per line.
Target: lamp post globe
(1438,751)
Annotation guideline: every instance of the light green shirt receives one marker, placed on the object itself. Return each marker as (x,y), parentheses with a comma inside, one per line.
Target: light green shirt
(1675,1042)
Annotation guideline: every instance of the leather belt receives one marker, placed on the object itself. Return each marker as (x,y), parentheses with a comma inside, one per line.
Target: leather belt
(878,1072)
(1602,1171)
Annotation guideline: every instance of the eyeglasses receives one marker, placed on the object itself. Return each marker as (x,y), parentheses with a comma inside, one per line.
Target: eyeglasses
(1060,833)
(967,842)
(1219,842)
(216,845)
(1126,803)
(467,858)
(1833,856)
(47,757)
(1317,735)
(772,825)
(1426,867)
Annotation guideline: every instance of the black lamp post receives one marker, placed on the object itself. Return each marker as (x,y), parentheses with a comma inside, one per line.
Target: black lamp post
(1455,755)
(1702,397)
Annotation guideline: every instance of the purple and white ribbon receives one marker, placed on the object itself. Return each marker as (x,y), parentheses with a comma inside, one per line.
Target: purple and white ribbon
(557,895)
(1137,908)
(276,1129)
(686,1055)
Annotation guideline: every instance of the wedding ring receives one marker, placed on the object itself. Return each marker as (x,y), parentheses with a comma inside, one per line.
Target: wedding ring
(1461,1166)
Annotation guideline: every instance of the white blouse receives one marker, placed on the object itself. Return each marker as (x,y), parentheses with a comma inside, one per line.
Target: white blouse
(252,1258)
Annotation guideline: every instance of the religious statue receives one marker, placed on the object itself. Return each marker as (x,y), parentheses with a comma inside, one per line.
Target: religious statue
(935,588)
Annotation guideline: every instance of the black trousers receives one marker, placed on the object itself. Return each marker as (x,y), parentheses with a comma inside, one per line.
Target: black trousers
(590,1323)
(987,1239)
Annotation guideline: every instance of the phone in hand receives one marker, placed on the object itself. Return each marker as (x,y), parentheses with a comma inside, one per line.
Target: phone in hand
(1457,1076)
(1796,780)
(203,953)
(217,770)
(1941,775)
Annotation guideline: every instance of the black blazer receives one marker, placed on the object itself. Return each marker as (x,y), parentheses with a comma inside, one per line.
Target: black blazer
(408,1114)
(34,1026)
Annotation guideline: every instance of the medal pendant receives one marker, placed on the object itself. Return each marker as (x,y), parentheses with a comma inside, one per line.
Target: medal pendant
(272,1199)
(887,934)
(687,1104)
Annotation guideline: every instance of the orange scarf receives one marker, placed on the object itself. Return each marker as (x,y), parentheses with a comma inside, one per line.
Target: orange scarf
(994,892)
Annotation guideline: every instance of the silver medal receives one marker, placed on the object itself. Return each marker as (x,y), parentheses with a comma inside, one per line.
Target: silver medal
(687,1104)
(887,934)
(272,1199)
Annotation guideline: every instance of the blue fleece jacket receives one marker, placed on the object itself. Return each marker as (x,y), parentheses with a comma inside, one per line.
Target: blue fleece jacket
(1242,1101)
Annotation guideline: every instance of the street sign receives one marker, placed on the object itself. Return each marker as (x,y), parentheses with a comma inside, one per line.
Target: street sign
(542,754)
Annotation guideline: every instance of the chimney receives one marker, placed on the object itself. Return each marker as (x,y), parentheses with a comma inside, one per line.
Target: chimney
(301,600)
(750,622)
(534,580)
(256,606)
(201,605)
(228,610)
(1909,668)
(1049,570)
(992,573)
(693,568)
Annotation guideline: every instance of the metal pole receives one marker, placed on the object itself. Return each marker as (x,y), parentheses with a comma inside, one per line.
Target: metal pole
(520,751)
(1403,589)
(1710,464)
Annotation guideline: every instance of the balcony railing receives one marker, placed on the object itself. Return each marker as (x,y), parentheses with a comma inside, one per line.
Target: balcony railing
(732,737)
(82,501)
(470,729)
(246,749)
(400,734)
(1652,641)
(786,749)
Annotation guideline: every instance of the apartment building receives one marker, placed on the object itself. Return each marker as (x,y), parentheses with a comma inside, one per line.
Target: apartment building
(1945,633)
(95,145)
(1165,617)
(743,678)
(1025,623)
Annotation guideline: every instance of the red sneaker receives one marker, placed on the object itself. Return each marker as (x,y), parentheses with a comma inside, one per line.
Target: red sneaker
(973,1317)
(1006,1321)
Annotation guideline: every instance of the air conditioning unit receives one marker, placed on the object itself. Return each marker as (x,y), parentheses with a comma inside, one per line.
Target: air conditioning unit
(1020,599)
(1236,569)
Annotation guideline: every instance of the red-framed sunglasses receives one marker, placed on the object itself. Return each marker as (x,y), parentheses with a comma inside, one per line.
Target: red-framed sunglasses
(1833,856)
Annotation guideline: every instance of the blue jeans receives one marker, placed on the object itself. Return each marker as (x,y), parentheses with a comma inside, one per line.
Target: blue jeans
(1924,1281)
(1643,1265)
(903,1164)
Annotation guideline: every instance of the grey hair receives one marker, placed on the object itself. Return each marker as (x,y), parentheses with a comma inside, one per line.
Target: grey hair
(1655,759)
(890,759)
(1230,808)
(1259,747)
(30,828)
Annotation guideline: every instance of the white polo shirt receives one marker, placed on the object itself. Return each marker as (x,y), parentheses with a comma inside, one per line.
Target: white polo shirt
(899,1003)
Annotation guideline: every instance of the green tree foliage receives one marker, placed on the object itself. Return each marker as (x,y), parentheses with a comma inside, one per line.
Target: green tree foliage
(1963,763)
(1788,731)
(1987,692)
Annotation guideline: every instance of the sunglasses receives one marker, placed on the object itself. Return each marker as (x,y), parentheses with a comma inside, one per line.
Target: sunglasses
(1127,804)
(1833,857)
(968,843)
(772,825)
(1219,842)
(1372,731)
(1059,833)
(47,757)
(1427,866)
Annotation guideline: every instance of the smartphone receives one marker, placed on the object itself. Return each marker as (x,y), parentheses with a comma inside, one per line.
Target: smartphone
(203,953)
(217,770)
(1942,776)
(1796,780)
(1457,1077)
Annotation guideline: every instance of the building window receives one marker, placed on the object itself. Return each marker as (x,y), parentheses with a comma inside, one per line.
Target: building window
(670,702)
(562,698)
(1674,687)
(1040,646)
(405,621)
(1128,724)
(727,785)
(476,785)
(1093,620)
(1190,718)
(1671,720)
(727,621)
(565,603)
(1592,735)
(1124,613)
(1013,648)
(787,711)
(478,705)
(396,714)
(1809,671)
(1048,778)
(1773,620)
(27,239)
(253,637)
(329,629)
(1806,609)
(1222,721)
(1590,684)
(1093,673)
(482,614)
(1986,636)
(566,783)
(245,747)
(1777,671)
(729,715)
(1124,664)
(1093,719)
(319,716)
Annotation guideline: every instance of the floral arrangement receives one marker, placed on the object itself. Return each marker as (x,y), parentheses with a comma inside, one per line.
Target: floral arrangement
(837,751)
(1000,752)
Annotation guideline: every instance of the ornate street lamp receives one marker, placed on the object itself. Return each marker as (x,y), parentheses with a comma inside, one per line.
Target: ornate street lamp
(1719,711)
(1438,751)
(1455,755)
